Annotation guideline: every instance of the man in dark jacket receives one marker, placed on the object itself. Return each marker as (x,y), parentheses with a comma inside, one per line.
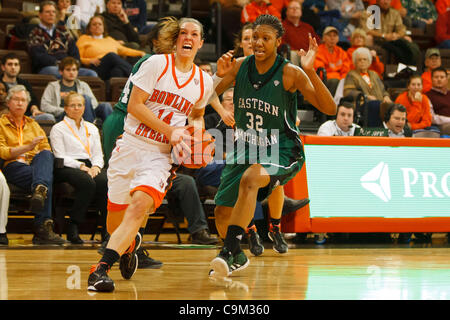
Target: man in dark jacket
(118,25)
(49,43)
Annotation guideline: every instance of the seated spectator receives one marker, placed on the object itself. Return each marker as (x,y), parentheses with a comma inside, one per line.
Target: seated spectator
(442,6)
(395,4)
(343,124)
(311,10)
(10,65)
(391,34)
(369,83)
(351,11)
(64,17)
(4,206)
(52,100)
(28,162)
(432,61)
(77,143)
(88,9)
(332,58)
(3,93)
(136,11)
(49,43)
(256,8)
(439,96)
(243,41)
(280,4)
(418,109)
(358,40)
(119,26)
(395,121)
(442,36)
(104,54)
(296,32)
(421,12)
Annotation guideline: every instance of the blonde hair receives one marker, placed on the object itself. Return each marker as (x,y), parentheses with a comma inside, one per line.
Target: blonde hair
(359,32)
(73,94)
(184,20)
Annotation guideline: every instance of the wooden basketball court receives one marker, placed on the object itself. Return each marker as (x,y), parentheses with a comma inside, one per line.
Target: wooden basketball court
(308,271)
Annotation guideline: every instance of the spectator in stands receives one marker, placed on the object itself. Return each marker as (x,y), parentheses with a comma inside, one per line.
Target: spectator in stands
(358,40)
(136,11)
(243,41)
(391,35)
(49,43)
(432,61)
(280,4)
(88,9)
(343,124)
(369,83)
(52,100)
(3,93)
(77,143)
(119,26)
(205,66)
(296,32)
(10,65)
(421,12)
(442,6)
(418,109)
(439,96)
(64,17)
(395,121)
(442,36)
(28,162)
(256,8)
(332,58)
(103,53)
(395,4)
(351,11)
(4,206)
(310,13)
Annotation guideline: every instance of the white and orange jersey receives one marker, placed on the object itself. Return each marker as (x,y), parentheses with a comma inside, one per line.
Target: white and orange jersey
(172,95)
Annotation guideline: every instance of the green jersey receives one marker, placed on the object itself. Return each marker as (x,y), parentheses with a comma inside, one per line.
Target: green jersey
(265,133)
(122,104)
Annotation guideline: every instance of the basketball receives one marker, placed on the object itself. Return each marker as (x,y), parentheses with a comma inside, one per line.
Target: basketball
(202,151)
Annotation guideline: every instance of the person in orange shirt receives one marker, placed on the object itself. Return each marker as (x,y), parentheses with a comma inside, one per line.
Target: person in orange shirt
(358,39)
(332,58)
(432,61)
(256,8)
(418,109)
(442,6)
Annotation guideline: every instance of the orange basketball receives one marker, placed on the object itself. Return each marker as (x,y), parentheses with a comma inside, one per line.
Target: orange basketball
(202,151)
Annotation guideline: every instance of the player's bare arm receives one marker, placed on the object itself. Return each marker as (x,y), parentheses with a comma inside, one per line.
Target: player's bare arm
(227,69)
(137,108)
(308,82)
(195,118)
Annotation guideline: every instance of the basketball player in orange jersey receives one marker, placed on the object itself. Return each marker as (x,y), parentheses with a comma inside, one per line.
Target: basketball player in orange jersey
(167,90)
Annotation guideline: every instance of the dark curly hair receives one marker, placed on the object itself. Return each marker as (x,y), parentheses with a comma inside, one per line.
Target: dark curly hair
(269,20)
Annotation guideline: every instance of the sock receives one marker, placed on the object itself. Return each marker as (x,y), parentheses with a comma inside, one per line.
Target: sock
(233,239)
(109,258)
(275,223)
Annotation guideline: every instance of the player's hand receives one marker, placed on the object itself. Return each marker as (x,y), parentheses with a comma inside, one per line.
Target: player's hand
(225,64)
(181,140)
(228,117)
(307,58)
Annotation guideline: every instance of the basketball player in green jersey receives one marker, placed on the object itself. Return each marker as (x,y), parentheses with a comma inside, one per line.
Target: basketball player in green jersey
(265,100)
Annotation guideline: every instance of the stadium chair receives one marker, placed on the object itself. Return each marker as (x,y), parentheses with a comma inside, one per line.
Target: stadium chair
(116,85)
(445,57)
(9,16)
(25,60)
(38,82)
(394,92)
